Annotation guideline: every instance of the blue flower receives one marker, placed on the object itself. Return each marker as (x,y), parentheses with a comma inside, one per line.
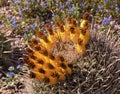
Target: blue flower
(72,9)
(27,28)
(14,26)
(19,10)
(117,8)
(13,20)
(106,20)
(61,6)
(82,4)
(26,2)
(27,7)
(33,26)
(53,14)
(18,66)
(22,17)
(25,35)
(10,73)
(107,11)
(105,1)
(43,4)
(100,8)
(67,0)
(69,6)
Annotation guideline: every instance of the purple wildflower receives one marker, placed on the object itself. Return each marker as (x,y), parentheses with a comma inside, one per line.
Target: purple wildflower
(10,73)
(18,66)
(100,8)
(117,8)
(43,4)
(33,26)
(72,9)
(61,6)
(69,6)
(105,1)
(22,17)
(82,4)
(27,28)
(108,11)
(26,2)
(27,7)
(14,26)
(25,35)
(53,14)
(67,0)
(106,20)
(19,10)
(13,20)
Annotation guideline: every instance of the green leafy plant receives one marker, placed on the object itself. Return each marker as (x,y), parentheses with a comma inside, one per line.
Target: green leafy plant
(9,71)
(5,49)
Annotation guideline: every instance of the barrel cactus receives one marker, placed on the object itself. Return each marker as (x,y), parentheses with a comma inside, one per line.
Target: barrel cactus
(71,65)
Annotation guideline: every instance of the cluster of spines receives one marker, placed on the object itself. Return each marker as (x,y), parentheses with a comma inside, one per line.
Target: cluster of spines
(43,64)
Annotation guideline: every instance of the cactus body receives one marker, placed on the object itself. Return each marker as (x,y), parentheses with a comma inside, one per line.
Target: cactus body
(49,67)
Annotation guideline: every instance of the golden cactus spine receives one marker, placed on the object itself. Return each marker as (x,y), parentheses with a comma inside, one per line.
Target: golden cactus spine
(84,35)
(85,29)
(46,66)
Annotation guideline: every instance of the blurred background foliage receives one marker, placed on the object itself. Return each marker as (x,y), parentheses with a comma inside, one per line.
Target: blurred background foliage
(29,14)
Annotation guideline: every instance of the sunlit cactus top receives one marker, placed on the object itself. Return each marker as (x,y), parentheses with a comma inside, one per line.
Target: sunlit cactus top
(50,55)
